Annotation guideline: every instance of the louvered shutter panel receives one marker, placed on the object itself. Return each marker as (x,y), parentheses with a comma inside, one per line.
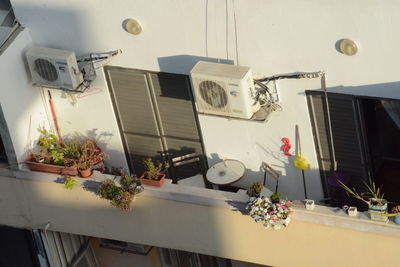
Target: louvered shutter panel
(155,112)
(174,104)
(64,249)
(347,136)
(138,124)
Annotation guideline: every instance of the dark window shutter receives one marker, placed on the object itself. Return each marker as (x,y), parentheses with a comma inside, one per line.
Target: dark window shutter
(155,112)
(175,105)
(135,114)
(347,136)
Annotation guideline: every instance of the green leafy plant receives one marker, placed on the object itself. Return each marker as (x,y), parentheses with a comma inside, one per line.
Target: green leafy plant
(70,183)
(374,194)
(154,169)
(108,189)
(57,157)
(276,196)
(120,196)
(255,189)
(47,142)
(76,152)
(71,150)
(131,184)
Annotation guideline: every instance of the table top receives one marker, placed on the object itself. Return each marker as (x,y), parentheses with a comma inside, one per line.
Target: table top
(226,172)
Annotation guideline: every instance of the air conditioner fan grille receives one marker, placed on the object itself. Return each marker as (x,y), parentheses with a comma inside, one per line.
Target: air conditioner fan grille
(46,69)
(213,94)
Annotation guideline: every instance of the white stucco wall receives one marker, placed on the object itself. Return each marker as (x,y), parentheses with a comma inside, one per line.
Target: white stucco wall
(91,114)
(272,37)
(22,105)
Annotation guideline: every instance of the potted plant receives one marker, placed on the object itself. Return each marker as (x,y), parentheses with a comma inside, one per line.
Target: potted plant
(374,198)
(90,155)
(51,157)
(276,197)
(120,196)
(84,168)
(131,184)
(271,214)
(91,150)
(255,189)
(396,211)
(154,175)
(64,158)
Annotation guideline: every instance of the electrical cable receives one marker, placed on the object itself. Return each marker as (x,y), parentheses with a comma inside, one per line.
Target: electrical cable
(236,35)
(301,75)
(264,95)
(92,59)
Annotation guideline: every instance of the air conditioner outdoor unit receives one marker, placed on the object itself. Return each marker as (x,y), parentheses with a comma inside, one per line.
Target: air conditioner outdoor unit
(225,90)
(54,68)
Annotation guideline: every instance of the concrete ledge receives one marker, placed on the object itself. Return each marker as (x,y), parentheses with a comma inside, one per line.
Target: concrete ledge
(338,218)
(235,201)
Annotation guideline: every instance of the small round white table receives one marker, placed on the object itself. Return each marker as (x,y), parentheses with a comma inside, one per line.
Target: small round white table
(226,172)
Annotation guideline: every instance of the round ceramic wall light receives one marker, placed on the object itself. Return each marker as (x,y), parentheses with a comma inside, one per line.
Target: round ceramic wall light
(133,26)
(348,47)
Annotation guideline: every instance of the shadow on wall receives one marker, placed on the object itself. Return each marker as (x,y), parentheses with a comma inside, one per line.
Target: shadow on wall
(102,139)
(382,90)
(290,183)
(184,63)
(76,36)
(31,99)
(144,224)
(68,27)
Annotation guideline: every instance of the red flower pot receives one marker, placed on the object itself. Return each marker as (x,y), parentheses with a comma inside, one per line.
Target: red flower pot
(43,167)
(85,173)
(158,183)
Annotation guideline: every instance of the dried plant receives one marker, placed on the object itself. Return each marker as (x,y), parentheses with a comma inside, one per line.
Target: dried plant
(90,155)
(374,192)
(396,209)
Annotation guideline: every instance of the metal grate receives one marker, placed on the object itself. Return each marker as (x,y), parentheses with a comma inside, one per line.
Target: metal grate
(46,70)
(213,94)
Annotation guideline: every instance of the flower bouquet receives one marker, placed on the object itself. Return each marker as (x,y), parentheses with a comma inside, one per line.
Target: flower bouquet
(123,195)
(274,215)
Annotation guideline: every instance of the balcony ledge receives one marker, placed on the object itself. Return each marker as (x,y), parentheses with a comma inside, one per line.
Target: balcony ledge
(234,201)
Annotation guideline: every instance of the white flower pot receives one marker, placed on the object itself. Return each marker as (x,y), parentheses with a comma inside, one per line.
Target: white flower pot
(374,209)
(352,211)
(286,221)
(310,205)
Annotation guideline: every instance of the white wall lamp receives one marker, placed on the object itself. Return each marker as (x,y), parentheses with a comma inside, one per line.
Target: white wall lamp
(132,26)
(348,47)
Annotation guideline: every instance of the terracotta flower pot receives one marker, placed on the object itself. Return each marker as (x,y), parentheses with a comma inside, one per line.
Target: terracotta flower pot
(43,167)
(158,183)
(85,173)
